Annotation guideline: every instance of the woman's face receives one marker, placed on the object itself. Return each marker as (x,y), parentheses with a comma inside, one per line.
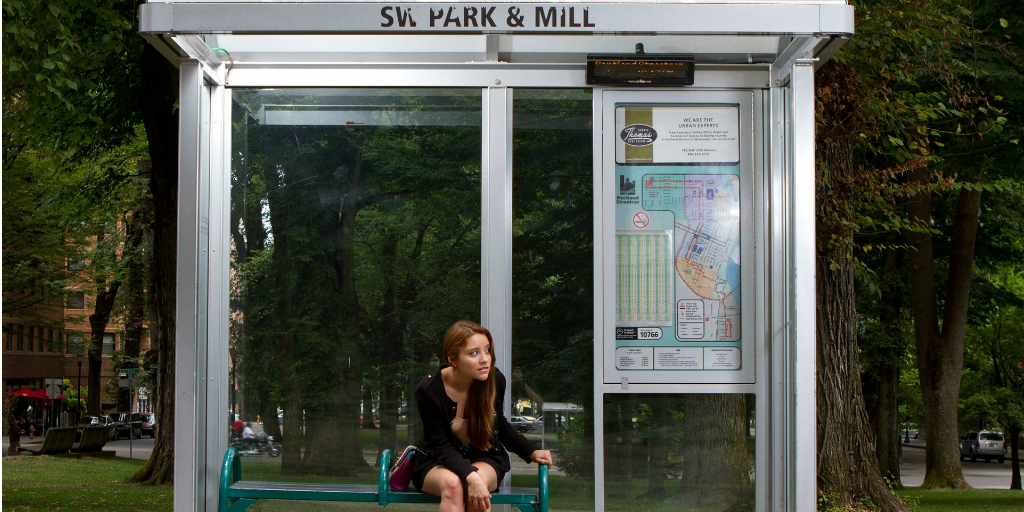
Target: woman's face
(474,359)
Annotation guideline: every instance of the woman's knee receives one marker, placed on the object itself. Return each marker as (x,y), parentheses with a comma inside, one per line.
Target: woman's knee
(451,488)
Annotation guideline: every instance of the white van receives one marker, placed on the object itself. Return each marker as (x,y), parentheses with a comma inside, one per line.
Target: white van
(983,444)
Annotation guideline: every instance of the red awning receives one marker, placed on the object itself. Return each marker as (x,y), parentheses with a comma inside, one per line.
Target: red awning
(30,393)
(34,393)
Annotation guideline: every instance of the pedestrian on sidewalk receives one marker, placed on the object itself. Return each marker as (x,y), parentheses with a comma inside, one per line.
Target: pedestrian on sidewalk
(15,436)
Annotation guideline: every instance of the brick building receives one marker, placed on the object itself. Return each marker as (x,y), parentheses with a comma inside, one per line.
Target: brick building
(45,343)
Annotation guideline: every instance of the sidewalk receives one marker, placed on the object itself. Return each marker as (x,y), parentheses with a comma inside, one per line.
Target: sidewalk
(138,449)
(33,444)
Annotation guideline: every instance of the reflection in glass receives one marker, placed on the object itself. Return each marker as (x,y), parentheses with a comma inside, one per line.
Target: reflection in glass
(355,240)
(552,286)
(679,452)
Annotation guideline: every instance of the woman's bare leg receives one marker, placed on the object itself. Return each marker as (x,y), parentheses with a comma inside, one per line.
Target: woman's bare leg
(440,481)
(490,478)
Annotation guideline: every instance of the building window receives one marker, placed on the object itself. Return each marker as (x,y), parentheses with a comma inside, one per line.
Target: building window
(76,263)
(108,344)
(8,337)
(76,343)
(31,339)
(19,332)
(76,301)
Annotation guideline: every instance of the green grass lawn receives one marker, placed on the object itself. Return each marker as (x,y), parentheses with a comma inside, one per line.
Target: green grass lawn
(78,485)
(973,500)
(47,483)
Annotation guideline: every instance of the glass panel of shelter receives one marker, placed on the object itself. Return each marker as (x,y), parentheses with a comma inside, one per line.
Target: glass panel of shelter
(552,282)
(355,242)
(355,232)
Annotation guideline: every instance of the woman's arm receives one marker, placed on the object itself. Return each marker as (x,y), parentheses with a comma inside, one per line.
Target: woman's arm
(507,434)
(435,432)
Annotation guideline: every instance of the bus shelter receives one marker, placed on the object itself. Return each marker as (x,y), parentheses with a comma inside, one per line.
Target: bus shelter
(622,192)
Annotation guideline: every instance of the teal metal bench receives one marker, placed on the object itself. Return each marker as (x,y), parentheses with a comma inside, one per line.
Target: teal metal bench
(237,494)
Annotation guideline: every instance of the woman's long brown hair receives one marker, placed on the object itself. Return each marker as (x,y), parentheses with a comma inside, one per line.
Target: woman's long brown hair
(479,408)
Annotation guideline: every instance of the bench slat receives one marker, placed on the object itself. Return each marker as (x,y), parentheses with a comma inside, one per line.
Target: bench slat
(302,486)
(303,491)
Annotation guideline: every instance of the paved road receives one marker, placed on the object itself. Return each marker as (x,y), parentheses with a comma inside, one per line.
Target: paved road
(136,448)
(980,475)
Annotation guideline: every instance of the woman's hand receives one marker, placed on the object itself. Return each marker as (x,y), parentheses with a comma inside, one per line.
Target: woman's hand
(477,494)
(542,457)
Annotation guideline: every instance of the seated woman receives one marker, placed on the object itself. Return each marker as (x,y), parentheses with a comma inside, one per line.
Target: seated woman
(465,431)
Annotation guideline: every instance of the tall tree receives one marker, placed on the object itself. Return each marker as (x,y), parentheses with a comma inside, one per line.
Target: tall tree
(847,465)
(159,80)
(912,89)
(972,126)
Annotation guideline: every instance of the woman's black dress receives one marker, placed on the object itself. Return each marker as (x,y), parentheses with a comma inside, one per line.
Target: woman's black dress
(440,445)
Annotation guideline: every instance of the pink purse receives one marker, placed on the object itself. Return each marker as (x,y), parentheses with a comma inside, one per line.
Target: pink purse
(401,472)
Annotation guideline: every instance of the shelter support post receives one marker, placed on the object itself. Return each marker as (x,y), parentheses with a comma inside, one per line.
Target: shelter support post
(219,151)
(803,470)
(496,235)
(187,493)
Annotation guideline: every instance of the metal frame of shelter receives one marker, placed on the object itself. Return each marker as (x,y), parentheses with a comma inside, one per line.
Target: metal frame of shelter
(771,48)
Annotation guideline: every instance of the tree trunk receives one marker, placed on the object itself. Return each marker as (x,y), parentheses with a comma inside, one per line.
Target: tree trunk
(395,317)
(658,446)
(159,113)
(619,453)
(285,355)
(887,436)
(940,350)
(98,326)
(367,420)
(715,458)
(349,454)
(135,289)
(1014,438)
(847,466)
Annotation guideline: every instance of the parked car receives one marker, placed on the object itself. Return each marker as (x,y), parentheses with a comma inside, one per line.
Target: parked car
(127,424)
(92,421)
(909,431)
(522,424)
(149,424)
(983,444)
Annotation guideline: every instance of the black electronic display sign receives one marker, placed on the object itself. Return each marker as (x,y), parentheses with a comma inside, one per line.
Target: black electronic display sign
(643,70)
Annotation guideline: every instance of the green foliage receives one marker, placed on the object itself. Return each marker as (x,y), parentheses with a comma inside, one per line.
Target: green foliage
(72,401)
(43,238)
(992,392)
(552,245)
(572,448)
(69,69)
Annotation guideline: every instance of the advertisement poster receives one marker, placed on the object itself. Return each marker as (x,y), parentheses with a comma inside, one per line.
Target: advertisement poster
(677,226)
